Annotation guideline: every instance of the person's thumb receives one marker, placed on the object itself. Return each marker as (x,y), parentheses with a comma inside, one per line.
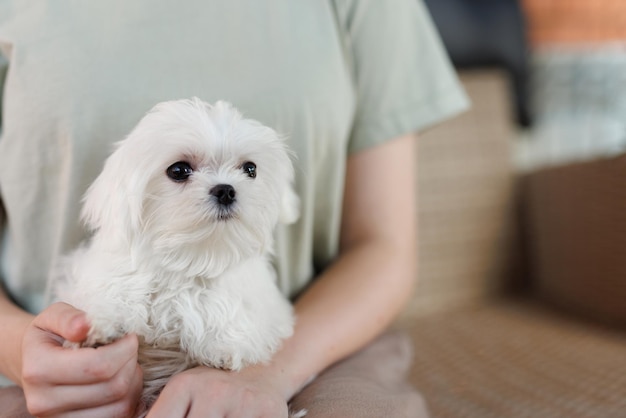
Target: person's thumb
(65,321)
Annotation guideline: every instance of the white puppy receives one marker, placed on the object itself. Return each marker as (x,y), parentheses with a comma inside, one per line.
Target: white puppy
(183,215)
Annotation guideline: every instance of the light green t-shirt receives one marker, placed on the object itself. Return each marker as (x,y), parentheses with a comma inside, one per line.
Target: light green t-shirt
(335,77)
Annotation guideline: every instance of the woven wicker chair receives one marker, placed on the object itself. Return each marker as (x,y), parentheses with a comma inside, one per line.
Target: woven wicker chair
(481,349)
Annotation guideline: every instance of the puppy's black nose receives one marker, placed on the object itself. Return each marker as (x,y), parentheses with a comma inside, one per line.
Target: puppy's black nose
(224,193)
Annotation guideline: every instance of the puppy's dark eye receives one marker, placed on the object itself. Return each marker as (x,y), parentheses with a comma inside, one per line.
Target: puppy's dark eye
(249,168)
(179,171)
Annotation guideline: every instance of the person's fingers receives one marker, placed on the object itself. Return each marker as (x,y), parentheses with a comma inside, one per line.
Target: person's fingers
(104,381)
(120,386)
(209,393)
(124,388)
(175,409)
(173,402)
(202,411)
(63,320)
(69,366)
(113,410)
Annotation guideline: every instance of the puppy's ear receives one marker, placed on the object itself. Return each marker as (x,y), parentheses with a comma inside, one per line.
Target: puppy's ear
(289,206)
(113,203)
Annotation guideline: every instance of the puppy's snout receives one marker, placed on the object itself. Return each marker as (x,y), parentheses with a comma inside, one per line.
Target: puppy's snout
(224,193)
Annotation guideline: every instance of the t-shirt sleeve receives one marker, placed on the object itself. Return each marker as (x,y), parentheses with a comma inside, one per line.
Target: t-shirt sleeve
(403,78)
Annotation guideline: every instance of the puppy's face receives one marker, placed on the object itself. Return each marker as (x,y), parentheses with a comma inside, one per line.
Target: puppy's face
(200,184)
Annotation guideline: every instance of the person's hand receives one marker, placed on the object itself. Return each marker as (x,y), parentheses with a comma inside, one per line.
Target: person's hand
(203,392)
(71,382)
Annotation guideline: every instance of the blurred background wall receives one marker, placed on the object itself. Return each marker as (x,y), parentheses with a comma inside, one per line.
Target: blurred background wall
(520,309)
(547,79)
(579,76)
(575,21)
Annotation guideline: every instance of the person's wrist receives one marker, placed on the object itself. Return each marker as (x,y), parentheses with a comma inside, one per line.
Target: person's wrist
(15,369)
(277,376)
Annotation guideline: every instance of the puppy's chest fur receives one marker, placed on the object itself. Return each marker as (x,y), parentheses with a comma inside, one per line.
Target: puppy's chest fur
(229,321)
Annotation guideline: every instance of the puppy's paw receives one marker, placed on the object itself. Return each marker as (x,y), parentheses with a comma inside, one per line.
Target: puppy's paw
(103,332)
(71,344)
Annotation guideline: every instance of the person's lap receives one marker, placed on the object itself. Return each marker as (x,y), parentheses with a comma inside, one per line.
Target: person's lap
(370,384)
(12,403)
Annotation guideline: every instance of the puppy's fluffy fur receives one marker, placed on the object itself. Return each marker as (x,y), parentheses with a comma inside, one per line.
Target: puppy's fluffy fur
(171,260)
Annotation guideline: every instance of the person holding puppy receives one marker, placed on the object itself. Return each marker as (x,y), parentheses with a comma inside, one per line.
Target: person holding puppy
(348,82)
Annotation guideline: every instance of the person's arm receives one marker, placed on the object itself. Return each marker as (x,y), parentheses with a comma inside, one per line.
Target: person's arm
(13,322)
(62,382)
(373,278)
(353,301)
